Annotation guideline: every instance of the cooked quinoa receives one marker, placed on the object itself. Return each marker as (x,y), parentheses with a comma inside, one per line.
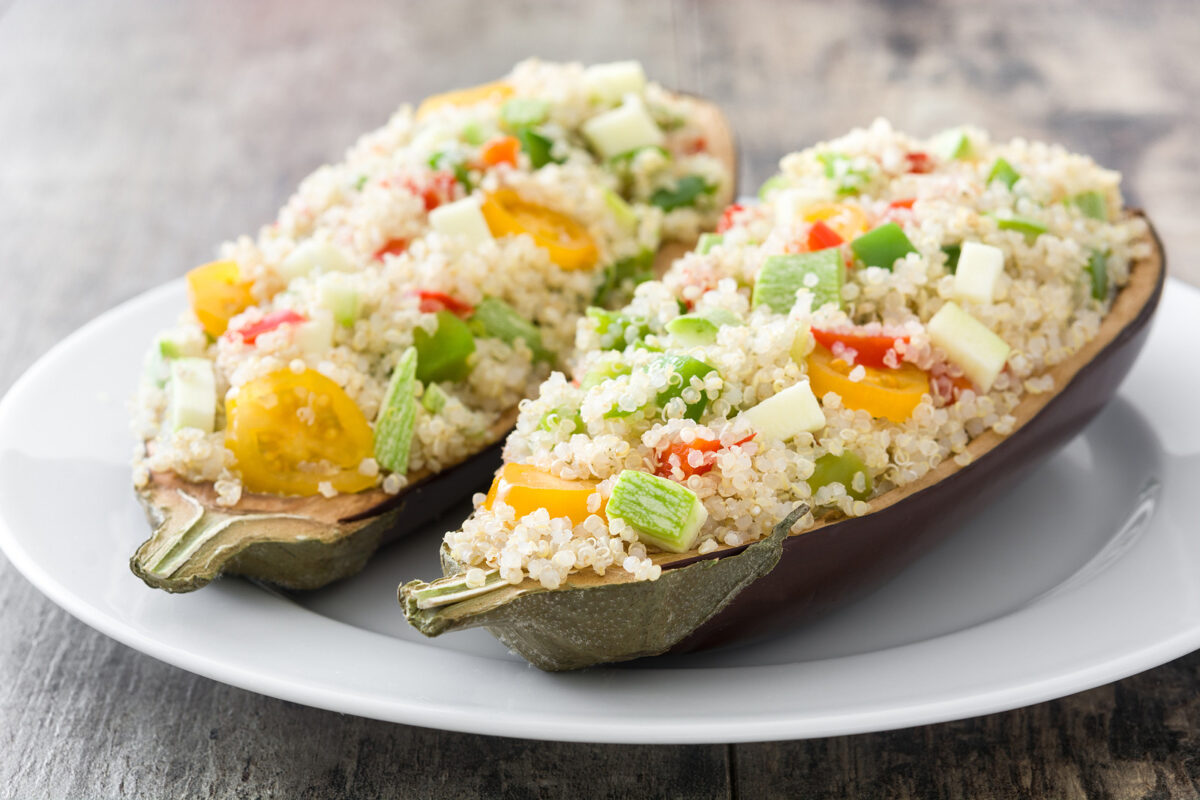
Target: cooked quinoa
(1055,218)
(355,256)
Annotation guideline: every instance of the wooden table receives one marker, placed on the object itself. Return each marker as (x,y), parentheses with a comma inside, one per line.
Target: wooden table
(135,136)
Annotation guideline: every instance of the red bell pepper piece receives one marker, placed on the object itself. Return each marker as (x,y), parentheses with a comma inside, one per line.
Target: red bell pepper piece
(870,349)
(822,237)
(394,247)
(433,302)
(437,189)
(919,162)
(250,333)
(907,202)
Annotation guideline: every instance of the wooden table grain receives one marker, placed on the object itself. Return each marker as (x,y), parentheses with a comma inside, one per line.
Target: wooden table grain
(135,136)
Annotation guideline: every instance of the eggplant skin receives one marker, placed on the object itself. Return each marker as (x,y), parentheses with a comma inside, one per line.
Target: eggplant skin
(827,567)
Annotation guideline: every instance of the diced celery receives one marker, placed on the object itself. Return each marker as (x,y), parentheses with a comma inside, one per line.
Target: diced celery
(1003,171)
(603,371)
(771,184)
(841,469)
(1092,204)
(496,319)
(708,241)
(473,133)
(978,273)
(781,276)
(969,343)
(608,83)
(191,395)
(616,330)
(686,192)
(462,218)
(1031,228)
(397,414)
(626,127)
(697,330)
(1097,270)
(785,414)
(624,213)
(434,399)
(313,256)
(342,300)
(523,112)
(552,419)
(683,368)
(664,513)
(445,355)
(883,246)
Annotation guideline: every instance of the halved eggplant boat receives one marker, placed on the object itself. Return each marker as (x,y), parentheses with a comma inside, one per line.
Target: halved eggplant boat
(349,374)
(844,515)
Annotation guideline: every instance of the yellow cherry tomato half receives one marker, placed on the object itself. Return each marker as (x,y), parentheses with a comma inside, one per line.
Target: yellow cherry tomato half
(568,243)
(848,221)
(888,393)
(292,431)
(496,92)
(217,293)
(528,488)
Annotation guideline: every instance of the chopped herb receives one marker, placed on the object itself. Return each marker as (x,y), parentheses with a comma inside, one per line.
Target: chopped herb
(538,147)
(621,274)
(687,191)
(361,182)
(952,251)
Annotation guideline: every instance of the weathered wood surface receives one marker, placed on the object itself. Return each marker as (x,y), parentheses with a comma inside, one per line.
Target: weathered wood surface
(135,136)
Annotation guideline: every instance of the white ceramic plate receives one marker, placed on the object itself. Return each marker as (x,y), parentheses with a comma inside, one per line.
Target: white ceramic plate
(1089,571)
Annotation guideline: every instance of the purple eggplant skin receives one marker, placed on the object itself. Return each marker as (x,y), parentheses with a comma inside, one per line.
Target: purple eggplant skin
(828,567)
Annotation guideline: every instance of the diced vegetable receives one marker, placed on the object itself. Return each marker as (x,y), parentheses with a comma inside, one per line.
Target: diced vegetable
(342,300)
(316,335)
(392,247)
(217,293)
(1003,171)
(1031,228)
(848,178)
(953,253)
(501,150)
(608,83)
(432,302)
(888,393)
(625,273)
(793,411)
(616,330)
(822,273)
(979,269)
(969,343)
(397,414)
(523,112)
(444,356)
(842,469)
(846,219)
(707,242)
(604,370)
(684,368)
(495,92)
(527,488)
(290,432)
(624,213)
(569,244)
(269,322)
(953,144)
(697,330)
(625,128)
(538,146)
(497,319)
(1097,270)
(664,513)
(869,349)
(463,218)
(434,399)
(191,395)
(822,237)
(1093,204)
(314,256)
(687,191)
(473,133)
(771,184)
(883,246)
(554,418)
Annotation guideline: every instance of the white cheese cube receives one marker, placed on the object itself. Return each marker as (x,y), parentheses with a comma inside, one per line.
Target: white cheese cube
(314,256)
(969,343)
(608,83)
(627,127)
(783,415)
(978,274)
(462,218)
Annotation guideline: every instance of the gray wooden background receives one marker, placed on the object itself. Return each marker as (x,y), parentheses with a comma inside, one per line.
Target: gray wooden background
(135,136)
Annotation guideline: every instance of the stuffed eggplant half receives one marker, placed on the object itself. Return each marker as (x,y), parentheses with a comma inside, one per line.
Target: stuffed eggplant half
(801,405)
(349,372)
